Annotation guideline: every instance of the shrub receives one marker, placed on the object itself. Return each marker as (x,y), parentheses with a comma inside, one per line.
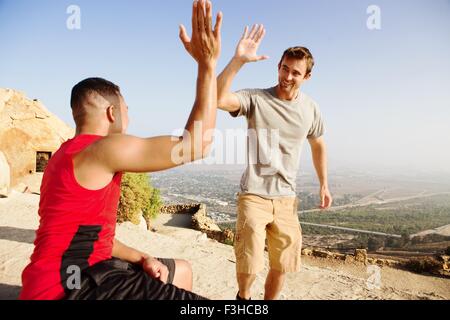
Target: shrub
(375,243)
(426,264)
(138,197)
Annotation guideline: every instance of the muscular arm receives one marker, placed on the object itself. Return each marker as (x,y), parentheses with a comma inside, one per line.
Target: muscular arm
(117,153)
(319,156)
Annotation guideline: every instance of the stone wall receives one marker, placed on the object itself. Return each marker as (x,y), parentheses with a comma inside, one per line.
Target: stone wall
(200,221)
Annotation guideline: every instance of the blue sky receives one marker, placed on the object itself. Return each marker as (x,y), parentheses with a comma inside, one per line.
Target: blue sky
(384,93)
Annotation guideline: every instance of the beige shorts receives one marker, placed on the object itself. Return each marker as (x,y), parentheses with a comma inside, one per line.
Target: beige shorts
(277,221)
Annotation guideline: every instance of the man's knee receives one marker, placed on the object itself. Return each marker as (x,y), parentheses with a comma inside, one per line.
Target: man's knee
(183,274)
(183,267)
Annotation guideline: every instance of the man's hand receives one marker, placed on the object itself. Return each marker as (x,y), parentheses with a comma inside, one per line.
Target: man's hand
(325,198)
(249,44)
(155,269)
(205,44)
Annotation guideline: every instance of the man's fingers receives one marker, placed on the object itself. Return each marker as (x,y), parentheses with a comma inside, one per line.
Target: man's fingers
(201,16)
(218,26)
(183,35)
(260,58)
(322,201)
(329,201)
(261,34)
(194,18)
(253,31)
(258,32)
(208,26)
(245,34)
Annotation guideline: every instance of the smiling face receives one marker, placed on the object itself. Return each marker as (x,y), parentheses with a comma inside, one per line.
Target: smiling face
(292,73)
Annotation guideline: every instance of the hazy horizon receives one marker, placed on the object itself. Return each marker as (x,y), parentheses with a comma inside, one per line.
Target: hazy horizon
(383,92)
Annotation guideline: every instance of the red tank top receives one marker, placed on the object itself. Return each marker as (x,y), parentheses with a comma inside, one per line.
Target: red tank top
(76,226)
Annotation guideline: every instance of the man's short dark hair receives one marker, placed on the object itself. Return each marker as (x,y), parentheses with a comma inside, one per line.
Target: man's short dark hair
(87,86)
(299,53)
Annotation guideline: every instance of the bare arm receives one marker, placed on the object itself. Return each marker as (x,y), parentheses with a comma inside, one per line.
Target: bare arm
(245,52)
(117,153)
(150,265)
(126,253)
(319,155)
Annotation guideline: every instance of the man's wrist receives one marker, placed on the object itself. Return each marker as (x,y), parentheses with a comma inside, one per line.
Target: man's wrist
(144,257)
(237,61)
(207,66)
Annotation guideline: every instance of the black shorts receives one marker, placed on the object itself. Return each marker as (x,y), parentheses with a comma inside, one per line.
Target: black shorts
(115,279)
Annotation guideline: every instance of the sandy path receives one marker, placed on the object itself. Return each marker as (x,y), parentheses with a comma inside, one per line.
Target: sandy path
(213,263)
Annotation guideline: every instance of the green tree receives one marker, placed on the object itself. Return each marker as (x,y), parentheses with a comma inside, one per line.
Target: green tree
(138,197)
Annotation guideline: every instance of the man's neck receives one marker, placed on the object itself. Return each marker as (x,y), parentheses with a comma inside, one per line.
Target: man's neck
(90,131)
(291,96)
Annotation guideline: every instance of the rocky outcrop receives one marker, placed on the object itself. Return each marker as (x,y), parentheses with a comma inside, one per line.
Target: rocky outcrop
(203,223)
(445,262)
(190,208)
(4,176)
(27,128)
(200,221)
(360,256)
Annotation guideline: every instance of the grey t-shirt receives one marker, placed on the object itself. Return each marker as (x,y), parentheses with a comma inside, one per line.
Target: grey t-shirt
(277,130)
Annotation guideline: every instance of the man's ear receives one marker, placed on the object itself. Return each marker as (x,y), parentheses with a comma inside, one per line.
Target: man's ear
(110,113)
(307,76)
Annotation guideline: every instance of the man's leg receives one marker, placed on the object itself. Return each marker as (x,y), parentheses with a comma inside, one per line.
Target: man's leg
(274,284)
(284,243)
(254,213)
(183,275)
(245,282)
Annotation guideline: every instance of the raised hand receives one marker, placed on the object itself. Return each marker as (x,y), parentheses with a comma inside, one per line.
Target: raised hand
(205,44)
(247,47)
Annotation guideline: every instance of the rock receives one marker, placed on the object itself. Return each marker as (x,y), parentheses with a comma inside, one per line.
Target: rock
(190,208)
(29,134)
(202,237)
(361,255)
(349,258)
(339,256)
(445,262)
(4,176)
(322,253)
(307,252)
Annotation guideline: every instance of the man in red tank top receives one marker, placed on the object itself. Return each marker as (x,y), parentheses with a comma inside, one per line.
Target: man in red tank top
(76,255)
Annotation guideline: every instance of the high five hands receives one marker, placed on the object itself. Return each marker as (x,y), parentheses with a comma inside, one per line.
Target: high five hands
(205,44)
(248,45)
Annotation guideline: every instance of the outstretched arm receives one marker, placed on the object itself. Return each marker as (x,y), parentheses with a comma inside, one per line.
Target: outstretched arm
(118,153)
(246,51)
(319,155)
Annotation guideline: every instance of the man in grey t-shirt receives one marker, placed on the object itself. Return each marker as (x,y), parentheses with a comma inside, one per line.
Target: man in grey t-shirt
(279,120)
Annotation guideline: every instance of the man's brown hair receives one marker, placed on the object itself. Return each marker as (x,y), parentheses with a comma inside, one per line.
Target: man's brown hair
(299,53)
